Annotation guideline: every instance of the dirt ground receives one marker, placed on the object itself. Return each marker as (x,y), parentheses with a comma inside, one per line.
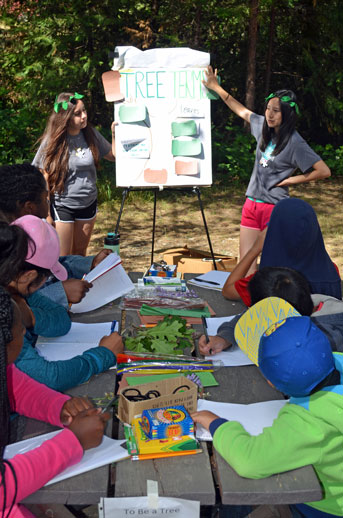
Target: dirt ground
(179,222)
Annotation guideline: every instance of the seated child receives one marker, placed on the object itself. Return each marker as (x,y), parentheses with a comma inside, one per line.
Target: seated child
(326,312)
(293,239)
(42,316)
(23,191)
(84,426)
(296,357)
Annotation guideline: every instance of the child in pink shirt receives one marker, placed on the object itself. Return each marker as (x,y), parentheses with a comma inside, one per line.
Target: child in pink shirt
(84,425)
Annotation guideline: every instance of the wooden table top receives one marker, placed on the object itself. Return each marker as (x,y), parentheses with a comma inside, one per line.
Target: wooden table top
(190,477)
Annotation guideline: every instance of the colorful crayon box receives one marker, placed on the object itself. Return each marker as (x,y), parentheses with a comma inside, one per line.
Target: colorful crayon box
(146,446)
(166,271)
(167,422)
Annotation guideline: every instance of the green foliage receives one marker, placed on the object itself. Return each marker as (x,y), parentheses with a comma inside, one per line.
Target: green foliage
(18,133)
(333,157)
(170,336)
(233,154)
(48,47)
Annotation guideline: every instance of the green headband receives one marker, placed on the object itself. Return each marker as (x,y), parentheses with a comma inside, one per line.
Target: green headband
(285,99)
(64,104)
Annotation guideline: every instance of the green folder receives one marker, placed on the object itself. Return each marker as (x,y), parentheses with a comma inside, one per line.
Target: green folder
(198,313)
(207,379)
(185,128)
(134,113)
(190,147)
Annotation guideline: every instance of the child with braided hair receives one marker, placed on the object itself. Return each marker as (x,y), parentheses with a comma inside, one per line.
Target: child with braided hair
(280,151)
(83,424)
(23,191)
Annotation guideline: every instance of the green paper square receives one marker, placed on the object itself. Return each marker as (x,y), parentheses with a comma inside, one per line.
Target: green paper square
(134,113)
(184,128)
(190,147)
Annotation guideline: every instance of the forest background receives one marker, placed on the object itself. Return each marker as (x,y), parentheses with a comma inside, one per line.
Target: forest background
(258,47)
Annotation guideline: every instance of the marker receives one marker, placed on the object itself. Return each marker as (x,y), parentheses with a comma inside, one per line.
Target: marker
(113,326)
(208,282)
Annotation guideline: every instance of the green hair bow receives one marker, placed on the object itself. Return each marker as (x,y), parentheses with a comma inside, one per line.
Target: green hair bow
(64,104)
(285,99)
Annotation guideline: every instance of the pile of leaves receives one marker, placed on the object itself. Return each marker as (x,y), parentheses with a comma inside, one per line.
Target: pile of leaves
(170,336)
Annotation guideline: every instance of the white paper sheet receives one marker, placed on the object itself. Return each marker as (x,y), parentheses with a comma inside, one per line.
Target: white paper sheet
(253,417)
(131,57)
(107,452)
(80,338)
(110,282)
(213,276)
(233,357)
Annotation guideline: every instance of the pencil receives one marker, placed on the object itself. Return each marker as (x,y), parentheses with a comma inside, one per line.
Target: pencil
(151,456)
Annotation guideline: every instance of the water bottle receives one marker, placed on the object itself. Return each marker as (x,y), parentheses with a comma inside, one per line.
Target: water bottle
(112,242)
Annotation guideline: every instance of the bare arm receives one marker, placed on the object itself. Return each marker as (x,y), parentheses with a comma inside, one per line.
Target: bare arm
(229,291)
(211,82)
(319,172)
(111,155)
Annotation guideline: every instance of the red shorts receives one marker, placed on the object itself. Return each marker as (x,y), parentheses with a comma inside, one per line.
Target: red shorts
(255,214)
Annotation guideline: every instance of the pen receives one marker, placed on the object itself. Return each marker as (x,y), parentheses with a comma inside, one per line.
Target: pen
(207,282)
(204,324)
(113,326)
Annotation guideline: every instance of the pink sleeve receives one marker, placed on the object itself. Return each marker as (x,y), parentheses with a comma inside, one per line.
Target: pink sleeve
(36,467)
(33,399)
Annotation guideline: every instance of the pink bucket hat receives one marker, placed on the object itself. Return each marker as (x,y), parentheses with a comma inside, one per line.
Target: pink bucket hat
(46,250)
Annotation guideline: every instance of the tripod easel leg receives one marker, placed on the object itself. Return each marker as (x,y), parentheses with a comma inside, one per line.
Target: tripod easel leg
(125,194)
(197,191)
(153,227)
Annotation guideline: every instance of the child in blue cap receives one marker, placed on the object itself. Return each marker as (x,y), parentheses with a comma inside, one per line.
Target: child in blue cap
(296,357)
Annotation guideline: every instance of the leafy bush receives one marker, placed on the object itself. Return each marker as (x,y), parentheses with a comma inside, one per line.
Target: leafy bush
(333,157)
(18,133)
(233,154)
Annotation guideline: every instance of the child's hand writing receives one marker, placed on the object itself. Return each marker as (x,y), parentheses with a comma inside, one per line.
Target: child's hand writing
(113,342)
(73,407)
(204,417)
(89,426)
(214,346)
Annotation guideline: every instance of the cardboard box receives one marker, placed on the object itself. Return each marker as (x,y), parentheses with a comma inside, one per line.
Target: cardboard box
(191,260)
(127,410)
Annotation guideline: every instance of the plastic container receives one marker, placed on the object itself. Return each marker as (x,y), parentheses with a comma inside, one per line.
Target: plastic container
(112,242)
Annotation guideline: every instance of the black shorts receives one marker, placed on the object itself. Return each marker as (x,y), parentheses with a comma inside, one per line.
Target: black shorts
(68,215)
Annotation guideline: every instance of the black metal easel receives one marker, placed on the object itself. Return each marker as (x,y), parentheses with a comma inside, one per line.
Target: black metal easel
(194,190)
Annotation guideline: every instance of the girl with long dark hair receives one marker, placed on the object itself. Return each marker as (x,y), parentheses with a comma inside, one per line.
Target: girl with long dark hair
(280,151)
(69,155)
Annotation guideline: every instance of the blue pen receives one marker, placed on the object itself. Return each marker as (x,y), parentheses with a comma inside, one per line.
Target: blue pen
(113,326)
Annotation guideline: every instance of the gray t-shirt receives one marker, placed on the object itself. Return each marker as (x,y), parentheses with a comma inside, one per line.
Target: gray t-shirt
(80,186)
(270,170)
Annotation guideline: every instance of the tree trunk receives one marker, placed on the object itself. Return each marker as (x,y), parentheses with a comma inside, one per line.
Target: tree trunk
(270,49)
(251,71)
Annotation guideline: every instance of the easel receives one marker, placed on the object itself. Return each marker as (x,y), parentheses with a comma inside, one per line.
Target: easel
(194,190)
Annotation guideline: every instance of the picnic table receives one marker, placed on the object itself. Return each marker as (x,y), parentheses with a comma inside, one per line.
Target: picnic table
(192,477)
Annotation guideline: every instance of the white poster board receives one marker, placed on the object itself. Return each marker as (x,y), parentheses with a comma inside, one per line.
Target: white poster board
(163,137)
